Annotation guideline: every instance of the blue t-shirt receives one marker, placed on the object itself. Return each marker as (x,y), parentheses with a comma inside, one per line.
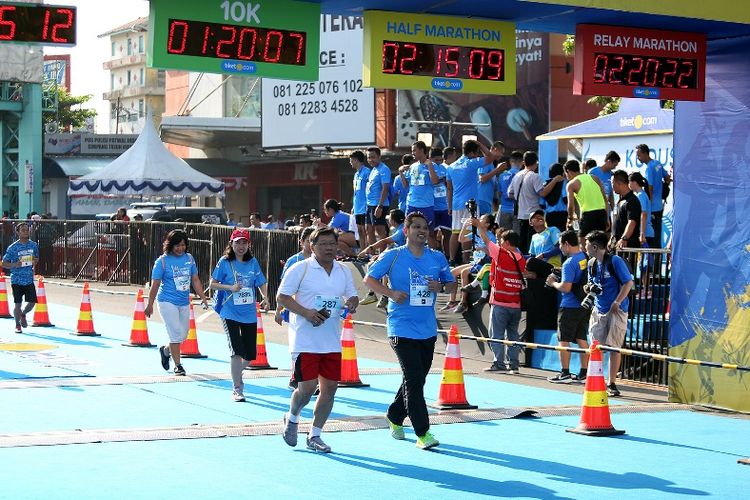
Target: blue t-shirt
(544,243)
(25,253)
(378,176)
(291,261)
(463,176)
(486,190)
(176,275)
(440,190)
(398,236)
(646,207)
(341,220)
(655,173)
(399,192)
(610,285)
(503,182)
(572,271)
(421,193)
(415,318)
(562,201)
(605,177)
(359,200)
(239,306)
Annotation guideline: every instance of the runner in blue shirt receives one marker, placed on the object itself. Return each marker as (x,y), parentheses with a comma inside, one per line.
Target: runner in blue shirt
(236,276)
(416,273)
(657,177)
(359,200)
(378,196)
(171,277)
(21,257)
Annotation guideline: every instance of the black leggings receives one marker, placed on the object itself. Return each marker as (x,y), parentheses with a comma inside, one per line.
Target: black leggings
(415,358)
(242,338)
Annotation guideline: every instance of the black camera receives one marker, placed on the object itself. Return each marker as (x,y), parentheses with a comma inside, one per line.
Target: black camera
(588,300)
(557,273)
(471,206)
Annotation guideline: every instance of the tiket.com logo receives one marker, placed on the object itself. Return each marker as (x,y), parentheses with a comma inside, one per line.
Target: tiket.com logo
(637,121)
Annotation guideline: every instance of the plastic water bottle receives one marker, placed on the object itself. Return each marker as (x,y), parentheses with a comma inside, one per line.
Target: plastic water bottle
(345,312)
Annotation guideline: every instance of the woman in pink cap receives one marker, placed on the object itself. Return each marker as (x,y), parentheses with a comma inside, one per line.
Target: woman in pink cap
(236,276)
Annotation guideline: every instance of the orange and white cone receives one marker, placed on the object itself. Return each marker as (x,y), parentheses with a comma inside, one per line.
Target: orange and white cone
(4,307)
(595,419)
(139,330)
(41,314)
(189,348)
(85,326)
(261,357)
(452,394)
(349,367)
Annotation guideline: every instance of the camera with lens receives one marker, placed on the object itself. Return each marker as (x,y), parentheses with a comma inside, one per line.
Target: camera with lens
(588,300)
(471,206)
(557,273)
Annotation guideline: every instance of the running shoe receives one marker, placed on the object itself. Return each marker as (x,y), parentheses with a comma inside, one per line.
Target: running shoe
(18,328)
(179,370)
(290,432)
(513,371)
(427,441)
(397,431)
(612,390)
(579,378)
(460,309)
(450,305)
(370,299)
(481,301)
(24,323)
(164,353)
(561,378)
(237,396)
(494,367)
(383,302)
(468,288)
(317,445)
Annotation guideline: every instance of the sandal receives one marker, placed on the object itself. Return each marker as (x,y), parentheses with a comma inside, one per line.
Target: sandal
(450,305)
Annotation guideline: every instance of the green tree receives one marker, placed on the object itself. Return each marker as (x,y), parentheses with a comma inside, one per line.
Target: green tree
(609,105)
(69,113)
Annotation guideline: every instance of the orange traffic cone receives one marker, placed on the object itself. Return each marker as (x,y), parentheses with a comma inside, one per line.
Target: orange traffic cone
(349,368)
(41,316)
(139,330)
(261,358)
(189,348)
(452,394)
(595,411)
(85,326)
(4,308)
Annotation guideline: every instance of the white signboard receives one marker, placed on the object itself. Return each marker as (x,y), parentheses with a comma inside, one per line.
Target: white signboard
(89,144)
(660,145)
(335,110)
(28,178)
(92,205)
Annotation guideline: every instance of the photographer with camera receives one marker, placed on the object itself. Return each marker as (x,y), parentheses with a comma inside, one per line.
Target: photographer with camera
(609,284)
(572,319)
(316,291)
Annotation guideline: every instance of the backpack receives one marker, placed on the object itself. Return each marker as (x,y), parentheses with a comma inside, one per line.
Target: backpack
(593,267)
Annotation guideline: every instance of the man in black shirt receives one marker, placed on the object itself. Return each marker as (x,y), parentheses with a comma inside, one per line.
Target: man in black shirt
(628,214)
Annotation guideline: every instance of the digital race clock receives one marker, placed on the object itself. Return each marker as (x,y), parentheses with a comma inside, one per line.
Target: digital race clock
(36,23)
(424,52)
(626,62)
(236,37)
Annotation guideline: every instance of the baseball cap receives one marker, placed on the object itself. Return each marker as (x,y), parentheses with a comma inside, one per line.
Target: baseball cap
(239,234)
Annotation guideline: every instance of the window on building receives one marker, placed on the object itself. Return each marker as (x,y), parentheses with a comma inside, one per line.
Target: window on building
(114,49)
(242,97)
(143,77)
(141,108)
(113,110)
(111,81)
(130,47)
(130,77)
(140,45)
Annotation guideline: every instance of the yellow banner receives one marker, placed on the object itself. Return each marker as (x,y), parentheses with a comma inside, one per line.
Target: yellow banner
(717,10)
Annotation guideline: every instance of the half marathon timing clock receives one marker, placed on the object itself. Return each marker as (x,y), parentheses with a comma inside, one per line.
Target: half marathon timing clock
(37,23)
(630,62)
(236,37)
(425,52)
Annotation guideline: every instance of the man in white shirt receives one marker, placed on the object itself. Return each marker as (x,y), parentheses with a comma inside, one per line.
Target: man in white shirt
(316,291)
(526,188)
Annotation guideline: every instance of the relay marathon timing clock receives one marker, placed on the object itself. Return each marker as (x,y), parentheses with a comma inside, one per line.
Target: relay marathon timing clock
(628,62)
(236,37)
(36,23)
(425,52)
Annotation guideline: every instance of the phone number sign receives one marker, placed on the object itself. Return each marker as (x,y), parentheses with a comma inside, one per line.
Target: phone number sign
(236,37)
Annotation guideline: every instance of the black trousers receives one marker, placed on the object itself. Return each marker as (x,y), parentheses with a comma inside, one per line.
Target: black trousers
(415,358)
(656,219)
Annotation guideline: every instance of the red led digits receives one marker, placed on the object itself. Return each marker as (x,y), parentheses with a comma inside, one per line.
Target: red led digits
(686,73)
(390,57)
(228,41)
(636,67)
(638,71)
(651,72)
(495,61)
(442,61)
(7,27)
(452,55)
(409,53)
(37,23)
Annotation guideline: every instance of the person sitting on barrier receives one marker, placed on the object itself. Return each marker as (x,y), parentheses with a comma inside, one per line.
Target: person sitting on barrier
(609,283)
(236,276)
(173,273)
(316,291)
(573,319)
(340,221)
(416,273)
(21,257)
(508,266)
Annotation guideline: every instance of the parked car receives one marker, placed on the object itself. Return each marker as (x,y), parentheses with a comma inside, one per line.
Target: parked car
(166,213)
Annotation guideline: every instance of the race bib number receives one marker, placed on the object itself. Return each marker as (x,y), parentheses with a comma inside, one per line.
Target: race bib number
(244,296)
(26,258)
(441,192)
(333,304)
(477,256)
(182,282)
(420,296)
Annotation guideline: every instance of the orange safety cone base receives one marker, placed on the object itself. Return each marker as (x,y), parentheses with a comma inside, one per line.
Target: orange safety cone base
(144,345)
(44,325)
(595,432)
(7,316)
(454,406)
(744,461)
(86,334)
(193,356)
(261,367)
